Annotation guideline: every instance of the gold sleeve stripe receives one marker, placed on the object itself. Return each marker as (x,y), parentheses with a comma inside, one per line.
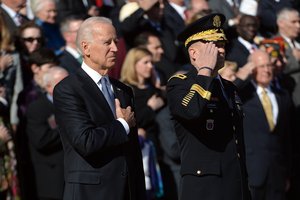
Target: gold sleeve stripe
(180,76)
(203,93)
(187,98)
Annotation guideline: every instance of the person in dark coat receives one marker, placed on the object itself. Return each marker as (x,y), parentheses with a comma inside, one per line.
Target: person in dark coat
(44,141)
(95,115)
(70,59)
(267,136)
(208,118)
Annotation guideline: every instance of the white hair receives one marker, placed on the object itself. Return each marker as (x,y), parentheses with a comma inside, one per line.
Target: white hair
(87,29)
(283,13)
(37,5)
(55,72)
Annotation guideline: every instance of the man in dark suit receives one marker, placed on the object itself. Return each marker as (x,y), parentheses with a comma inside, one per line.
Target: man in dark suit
(208,118)
(97,125)
(10,11)
(239,49)
(266,131)
(267,11)
(158,17)
(44,141)
(70,59)
(288,21)
(70,7)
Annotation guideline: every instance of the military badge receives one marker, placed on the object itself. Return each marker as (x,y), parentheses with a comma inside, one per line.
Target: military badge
(210,124)
(217,21)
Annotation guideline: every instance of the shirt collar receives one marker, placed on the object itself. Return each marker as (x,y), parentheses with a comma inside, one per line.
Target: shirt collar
(259,89)
(9,11)
(73,52)
(49,97)
(289,41)
(179,9)
(91,73)
(246,43)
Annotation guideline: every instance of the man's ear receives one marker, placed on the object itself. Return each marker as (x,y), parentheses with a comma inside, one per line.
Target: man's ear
(85,46)
(192,53)
(35,68)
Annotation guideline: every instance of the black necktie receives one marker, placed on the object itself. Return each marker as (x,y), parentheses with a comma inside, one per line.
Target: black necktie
(107,92)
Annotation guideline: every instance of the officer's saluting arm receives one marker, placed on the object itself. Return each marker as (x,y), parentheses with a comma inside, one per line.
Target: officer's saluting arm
(188,94)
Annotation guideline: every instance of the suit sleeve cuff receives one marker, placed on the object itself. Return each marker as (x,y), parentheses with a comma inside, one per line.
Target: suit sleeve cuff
(125,125)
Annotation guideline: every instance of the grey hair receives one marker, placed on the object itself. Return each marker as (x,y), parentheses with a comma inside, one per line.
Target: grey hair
(87,29)
(50,76)
(282,14)
(65,23)
(37,5)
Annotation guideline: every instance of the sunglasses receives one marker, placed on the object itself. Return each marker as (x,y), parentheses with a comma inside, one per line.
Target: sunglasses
(32,39)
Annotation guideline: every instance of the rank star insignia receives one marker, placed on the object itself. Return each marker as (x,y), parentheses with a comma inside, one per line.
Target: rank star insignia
(217,21)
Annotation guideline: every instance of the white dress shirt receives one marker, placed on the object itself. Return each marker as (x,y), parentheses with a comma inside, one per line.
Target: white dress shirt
(95,76)
(272,97)
(11,13)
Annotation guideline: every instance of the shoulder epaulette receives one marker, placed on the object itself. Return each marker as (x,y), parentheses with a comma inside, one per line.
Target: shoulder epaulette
(181,76)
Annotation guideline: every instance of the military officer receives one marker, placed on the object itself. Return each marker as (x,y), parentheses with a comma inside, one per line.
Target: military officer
(208,116)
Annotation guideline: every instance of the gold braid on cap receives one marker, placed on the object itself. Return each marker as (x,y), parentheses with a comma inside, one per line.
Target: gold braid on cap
(208,35)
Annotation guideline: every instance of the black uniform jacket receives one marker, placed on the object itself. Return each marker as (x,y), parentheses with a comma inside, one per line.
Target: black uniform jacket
(208,123)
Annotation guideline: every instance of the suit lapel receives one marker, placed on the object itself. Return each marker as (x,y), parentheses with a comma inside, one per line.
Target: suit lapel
(279,103)
(121,93)
(92,89)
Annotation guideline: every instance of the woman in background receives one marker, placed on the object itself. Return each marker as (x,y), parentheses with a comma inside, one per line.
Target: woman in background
(10,70)
(29,39)
(137,71)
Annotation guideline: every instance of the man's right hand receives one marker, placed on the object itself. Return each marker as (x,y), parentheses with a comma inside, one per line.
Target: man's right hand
(125,113)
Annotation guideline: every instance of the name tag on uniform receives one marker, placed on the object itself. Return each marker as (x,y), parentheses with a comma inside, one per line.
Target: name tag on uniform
(210,124)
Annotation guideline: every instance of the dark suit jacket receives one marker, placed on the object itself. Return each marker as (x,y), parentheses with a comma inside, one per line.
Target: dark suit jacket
(237,52)
(136,24)
(101,160)
(12,27)
(71,7)
(267,153)
(69,62)
(45,149)
(292,69)
(210,134)
(266,11)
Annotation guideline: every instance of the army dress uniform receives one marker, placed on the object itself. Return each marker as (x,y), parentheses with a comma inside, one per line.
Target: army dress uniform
(207,114)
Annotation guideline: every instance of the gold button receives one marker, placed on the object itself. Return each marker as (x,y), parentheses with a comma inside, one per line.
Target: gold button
(232,114)
(198,172)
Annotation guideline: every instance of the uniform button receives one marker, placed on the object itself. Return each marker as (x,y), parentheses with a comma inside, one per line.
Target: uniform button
(233,128)
(232,114)
(211,111)
(236,141)
(238,155)
(198,172)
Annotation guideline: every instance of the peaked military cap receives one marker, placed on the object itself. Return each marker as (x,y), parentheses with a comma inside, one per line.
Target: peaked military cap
(208,28)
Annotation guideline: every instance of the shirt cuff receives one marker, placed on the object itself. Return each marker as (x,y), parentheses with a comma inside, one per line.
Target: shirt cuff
(125,125)
(3,101)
